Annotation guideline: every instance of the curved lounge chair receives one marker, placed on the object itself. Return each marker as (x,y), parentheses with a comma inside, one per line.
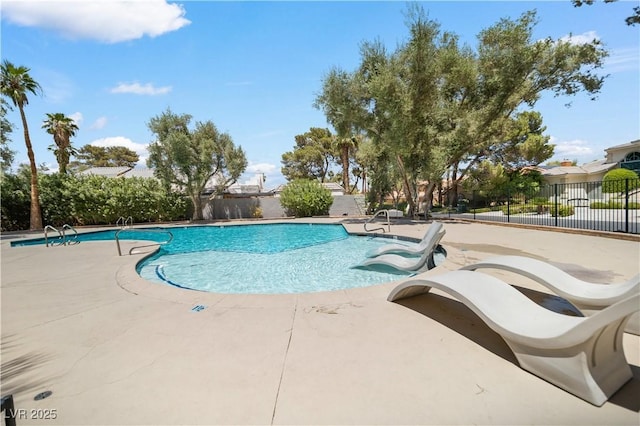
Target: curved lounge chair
(586,296)
(410,250)
(407,264)
(582,355)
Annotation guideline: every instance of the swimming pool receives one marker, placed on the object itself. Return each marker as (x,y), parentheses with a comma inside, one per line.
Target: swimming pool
(275,258)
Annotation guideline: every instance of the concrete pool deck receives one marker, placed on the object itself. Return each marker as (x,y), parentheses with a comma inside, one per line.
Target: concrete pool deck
(115,350)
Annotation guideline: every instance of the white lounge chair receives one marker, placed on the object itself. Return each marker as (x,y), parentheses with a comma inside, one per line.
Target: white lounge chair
(582,355)
(410,250)
(406,264)
(586,296)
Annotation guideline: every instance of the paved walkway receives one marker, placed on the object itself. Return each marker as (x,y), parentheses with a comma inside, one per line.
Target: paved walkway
(114,349)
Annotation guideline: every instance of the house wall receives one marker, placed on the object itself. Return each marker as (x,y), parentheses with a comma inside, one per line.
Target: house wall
(573,178)
(242,208)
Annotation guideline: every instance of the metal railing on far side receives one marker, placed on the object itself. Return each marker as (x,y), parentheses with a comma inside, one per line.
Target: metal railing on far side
(380,227)
(165,231)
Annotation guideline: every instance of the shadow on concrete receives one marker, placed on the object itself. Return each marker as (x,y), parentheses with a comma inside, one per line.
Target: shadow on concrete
(456,316)
(627,396)
(20,374)
(459,318)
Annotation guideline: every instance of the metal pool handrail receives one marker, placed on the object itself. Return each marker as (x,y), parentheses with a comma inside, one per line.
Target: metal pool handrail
(378,213)
(64,235)
(124,221)
(46,235)
(117,237)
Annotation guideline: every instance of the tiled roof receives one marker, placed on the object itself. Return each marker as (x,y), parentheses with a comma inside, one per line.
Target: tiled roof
(589,168)
(625,145)
(140,172)
(106,171)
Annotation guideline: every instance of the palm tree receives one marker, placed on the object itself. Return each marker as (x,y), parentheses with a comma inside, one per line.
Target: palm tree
(15,83)
(62,128)
(346,145)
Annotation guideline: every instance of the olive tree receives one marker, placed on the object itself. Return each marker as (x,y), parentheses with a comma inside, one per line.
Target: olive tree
(188,158)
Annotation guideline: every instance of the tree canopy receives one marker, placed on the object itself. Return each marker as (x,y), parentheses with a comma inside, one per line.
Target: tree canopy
(100,156)
(62,128)
(189,157)
(6,153)
(434,106)
(312,156)
(632,19)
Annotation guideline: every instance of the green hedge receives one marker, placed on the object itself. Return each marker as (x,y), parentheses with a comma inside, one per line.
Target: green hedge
(563,211)
(619,180)
(520,209)
(305,198)
(613,205)
(88,200)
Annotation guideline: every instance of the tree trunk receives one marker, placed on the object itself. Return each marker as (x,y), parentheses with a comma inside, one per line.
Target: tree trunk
(408,193)
(364,180)
(428,198)
(454,183)
(197,207)
(345,168)
(35,218)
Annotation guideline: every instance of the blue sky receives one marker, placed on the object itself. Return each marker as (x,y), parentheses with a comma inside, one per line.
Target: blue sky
(255,68)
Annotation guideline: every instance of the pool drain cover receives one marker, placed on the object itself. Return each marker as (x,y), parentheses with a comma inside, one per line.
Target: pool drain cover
(42,395)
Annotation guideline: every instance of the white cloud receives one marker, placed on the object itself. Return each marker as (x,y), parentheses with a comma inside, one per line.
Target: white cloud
(140,149)
(266,168)
(77,118)
(583,38)
(99,123)
(624,59)
(139,89)
(109,21)
(571,149)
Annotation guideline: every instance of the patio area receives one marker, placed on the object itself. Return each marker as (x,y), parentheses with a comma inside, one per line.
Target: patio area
(114,349)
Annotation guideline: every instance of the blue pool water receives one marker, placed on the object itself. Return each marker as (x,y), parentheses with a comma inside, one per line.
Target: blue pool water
(257,258)
(265,259)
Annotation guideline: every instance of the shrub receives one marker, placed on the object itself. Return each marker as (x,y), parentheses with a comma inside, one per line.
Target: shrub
(481,210)
(88,200)
(613,205)
(16,202)
(305,198)
(563,211)
(540,201)
(520,208)
(605,205)
(56,195)
(256,212)
(616,180)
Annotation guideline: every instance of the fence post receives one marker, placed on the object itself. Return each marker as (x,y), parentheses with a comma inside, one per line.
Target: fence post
(9,410)
(555,202)
(473,203)
(626,205)
(508,204)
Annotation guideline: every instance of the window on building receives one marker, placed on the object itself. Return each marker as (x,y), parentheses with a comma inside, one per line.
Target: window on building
(632,156)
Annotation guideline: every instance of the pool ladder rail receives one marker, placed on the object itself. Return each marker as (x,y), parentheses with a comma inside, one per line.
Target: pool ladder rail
(126,222)
(63,239)
(117,238)
(380,228)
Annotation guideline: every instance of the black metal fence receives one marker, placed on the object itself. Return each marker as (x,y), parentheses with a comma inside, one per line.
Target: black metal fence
(605,206)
